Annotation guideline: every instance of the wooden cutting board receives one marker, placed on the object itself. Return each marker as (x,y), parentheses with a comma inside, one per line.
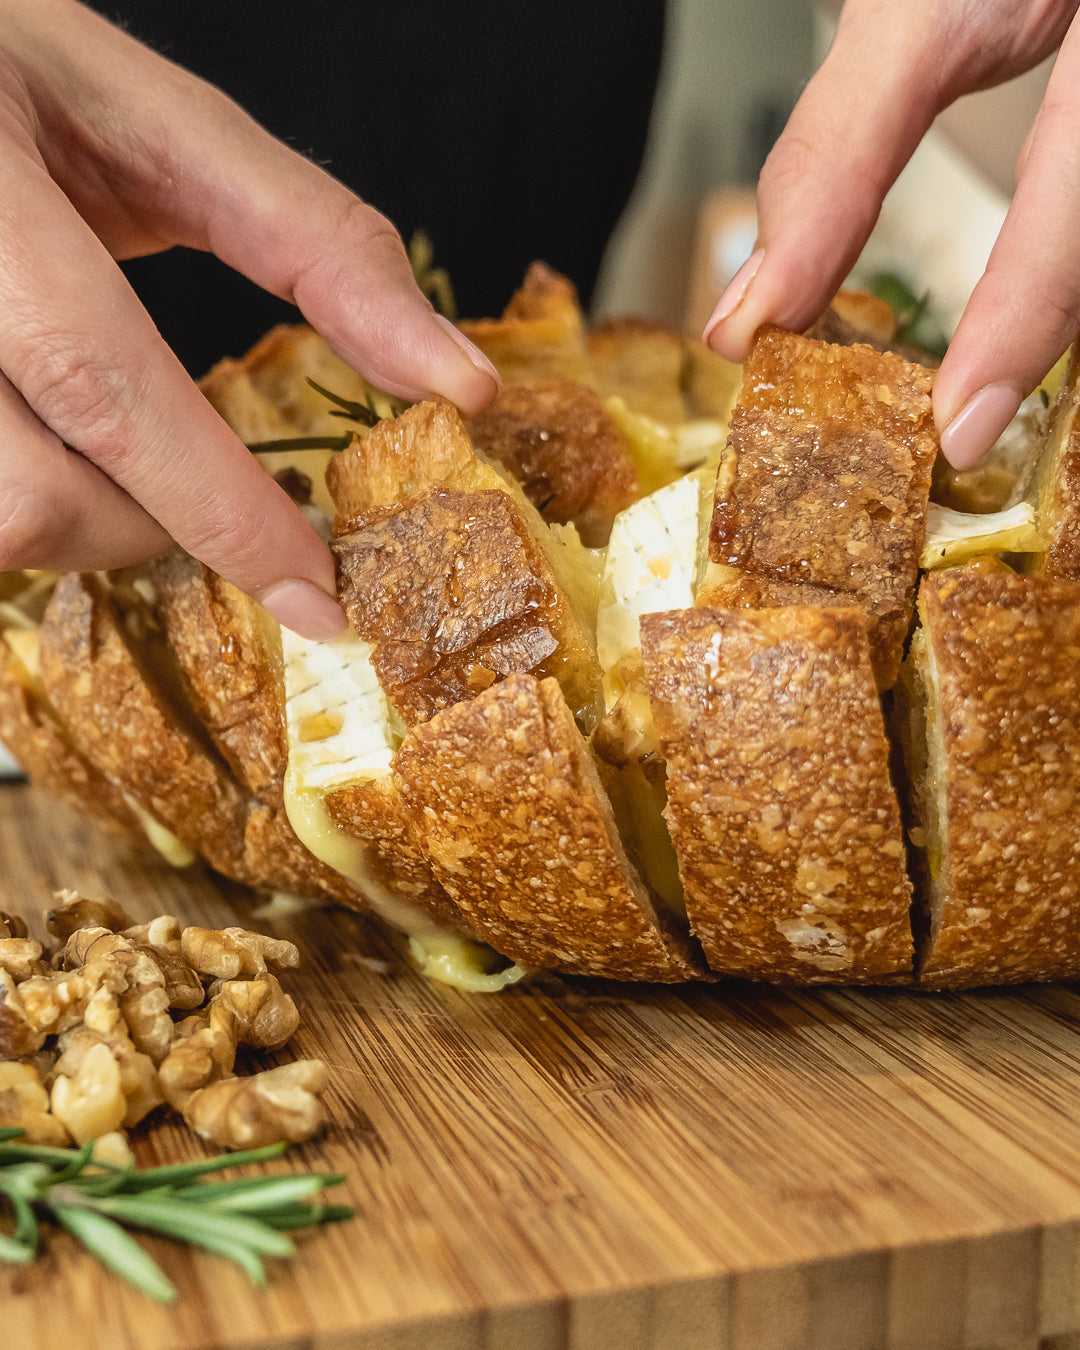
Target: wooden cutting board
(582,1166)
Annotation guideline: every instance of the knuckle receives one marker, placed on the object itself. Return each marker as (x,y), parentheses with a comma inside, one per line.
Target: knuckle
(241,546)
(83,396)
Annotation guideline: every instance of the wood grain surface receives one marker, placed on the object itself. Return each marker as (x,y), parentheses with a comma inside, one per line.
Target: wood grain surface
(575,1165)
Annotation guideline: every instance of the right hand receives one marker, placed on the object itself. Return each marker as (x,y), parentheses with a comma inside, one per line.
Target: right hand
(108,451)
(892,68)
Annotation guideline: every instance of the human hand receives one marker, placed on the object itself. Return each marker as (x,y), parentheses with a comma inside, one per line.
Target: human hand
(107,449)
(891,70)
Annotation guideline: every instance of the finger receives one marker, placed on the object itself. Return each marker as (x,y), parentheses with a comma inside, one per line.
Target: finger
(205,174)
(1025,309)
(84,355)
(56,509)
(820,191)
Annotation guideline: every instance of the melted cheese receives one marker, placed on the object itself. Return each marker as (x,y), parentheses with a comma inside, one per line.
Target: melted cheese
(332,687)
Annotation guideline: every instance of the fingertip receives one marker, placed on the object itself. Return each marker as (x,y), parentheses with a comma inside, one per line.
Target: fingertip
(739,312)
(970,429)
(304,608)
(468,378)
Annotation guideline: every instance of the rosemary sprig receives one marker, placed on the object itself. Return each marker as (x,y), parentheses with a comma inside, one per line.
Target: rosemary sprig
(242,1219)
(365,414)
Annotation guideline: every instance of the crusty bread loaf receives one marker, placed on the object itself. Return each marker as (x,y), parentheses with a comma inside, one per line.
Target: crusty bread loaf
(32,730)
(472,763)
(821,498)
(541,335)
(783,816)
(996,805)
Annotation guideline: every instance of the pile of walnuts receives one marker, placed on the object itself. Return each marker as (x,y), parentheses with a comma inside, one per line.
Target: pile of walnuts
(120,1018)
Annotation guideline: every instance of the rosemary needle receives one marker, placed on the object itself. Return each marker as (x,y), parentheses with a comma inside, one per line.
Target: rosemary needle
(242,1219)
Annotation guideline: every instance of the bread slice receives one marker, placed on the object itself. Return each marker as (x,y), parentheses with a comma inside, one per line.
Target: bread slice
(541,335)
(32,730)
(340,795)
(228,650)
(780,805)
(996,809)
(507,806)
(96,671)
(822,497)
(1057,486)
(563,448)
(450,574)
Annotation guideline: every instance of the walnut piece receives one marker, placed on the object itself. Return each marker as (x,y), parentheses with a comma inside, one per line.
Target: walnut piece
(279,1105)
(75,911)
(20,957)
(11,925)
(97,1022)
(24,1104)
(264,1015)
(226,953)
(91,1103)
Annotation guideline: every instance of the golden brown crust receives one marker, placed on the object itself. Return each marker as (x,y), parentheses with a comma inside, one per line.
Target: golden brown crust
(373,813)
(780,806)
(556,439)
(266,395)
(856,316)
(505,800)
(401,459)
(32,731)
(541,335)
(1004,662)
(276,860)
(1059,494)
(131,733)
(827,482)
(641,362)
(230,653)
(454,595)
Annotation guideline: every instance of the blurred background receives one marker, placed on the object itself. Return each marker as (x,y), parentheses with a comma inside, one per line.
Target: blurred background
(617,141)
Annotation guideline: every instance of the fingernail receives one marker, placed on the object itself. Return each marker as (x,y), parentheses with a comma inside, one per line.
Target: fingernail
(471,351)
(978,424)
(306,609)
(734,293)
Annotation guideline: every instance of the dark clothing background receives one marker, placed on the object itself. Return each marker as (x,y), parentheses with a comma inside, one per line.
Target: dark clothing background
(508,131)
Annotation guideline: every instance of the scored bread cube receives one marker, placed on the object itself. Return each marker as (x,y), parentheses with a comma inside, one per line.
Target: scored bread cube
(992,741)
(821,498)
(779,802)
(555,437)
(507,806)
(449,572)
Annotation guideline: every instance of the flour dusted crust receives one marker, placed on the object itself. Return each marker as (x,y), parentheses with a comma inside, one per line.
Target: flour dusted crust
(1001,661)
(139,741)
(825,485)
(506,803)
(780,806)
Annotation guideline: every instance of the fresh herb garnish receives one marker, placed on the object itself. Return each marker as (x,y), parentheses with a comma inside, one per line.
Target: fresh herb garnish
(364,414)
(243,1219)
(915,326)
